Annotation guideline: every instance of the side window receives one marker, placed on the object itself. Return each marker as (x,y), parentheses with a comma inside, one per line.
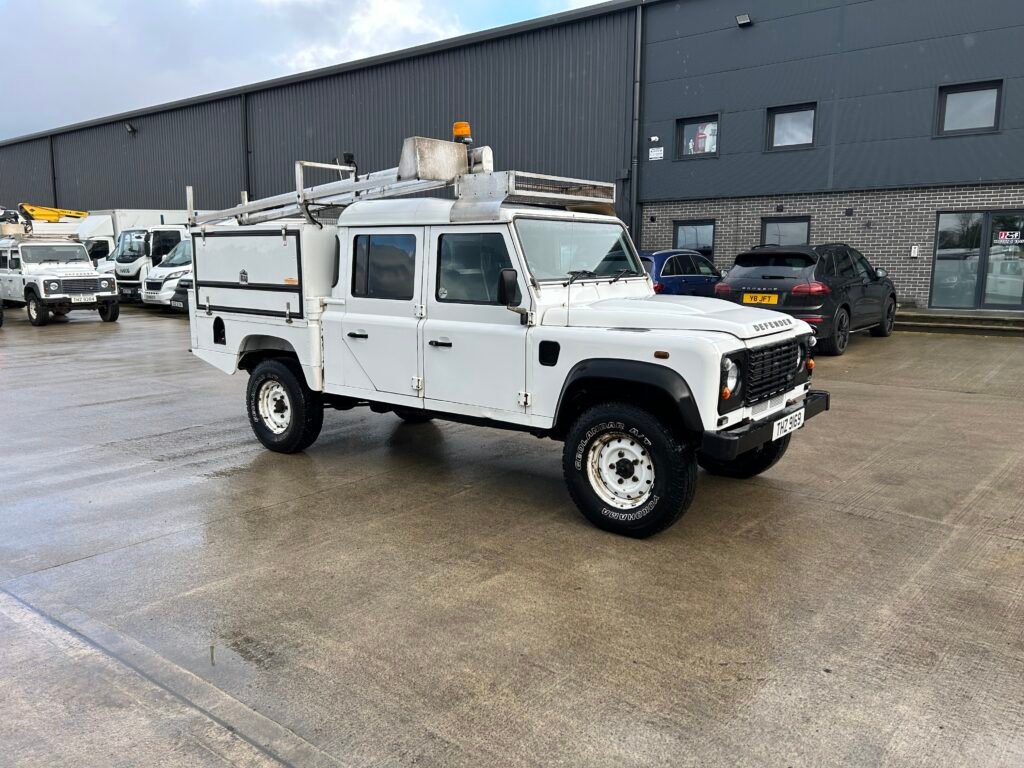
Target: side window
(674,267)
(844,264)
(3,260)
(826,265)
(98,249)
(15,260)
(863,268)
(704,267)
(469,267)
(384,266)
(163,243)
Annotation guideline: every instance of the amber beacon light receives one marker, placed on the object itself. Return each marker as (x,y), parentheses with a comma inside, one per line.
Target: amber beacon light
(462,132)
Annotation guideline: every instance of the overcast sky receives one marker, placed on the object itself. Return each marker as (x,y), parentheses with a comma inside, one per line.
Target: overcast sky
(73,60)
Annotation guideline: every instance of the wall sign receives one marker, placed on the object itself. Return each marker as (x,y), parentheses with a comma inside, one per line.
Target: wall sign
(656,153)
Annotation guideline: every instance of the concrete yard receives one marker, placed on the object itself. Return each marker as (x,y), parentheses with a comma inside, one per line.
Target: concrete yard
(171,593)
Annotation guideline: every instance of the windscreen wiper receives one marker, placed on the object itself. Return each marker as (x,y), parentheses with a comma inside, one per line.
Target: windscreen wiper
(576,274)
(622,273)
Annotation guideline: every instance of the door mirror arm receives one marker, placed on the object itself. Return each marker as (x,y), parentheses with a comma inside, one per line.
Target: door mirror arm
(508,294)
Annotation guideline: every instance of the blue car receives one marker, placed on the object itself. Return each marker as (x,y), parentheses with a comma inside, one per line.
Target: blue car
(681,272)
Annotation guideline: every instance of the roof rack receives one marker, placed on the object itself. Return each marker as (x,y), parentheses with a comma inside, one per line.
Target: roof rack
(425,165)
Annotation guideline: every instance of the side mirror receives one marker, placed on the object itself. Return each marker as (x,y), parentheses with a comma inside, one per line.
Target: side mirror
(881,273)
(508,288)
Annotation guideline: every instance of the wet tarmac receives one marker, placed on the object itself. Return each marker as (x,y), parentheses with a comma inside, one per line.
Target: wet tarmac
(427,595)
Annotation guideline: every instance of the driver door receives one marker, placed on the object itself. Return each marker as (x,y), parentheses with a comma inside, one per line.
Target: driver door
(474,348)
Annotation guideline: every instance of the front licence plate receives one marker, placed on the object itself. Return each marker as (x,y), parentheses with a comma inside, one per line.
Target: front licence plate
(86,298)
(760,298)
(788,424)
(177,305)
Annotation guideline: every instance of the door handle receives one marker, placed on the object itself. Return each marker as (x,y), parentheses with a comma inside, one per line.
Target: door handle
(354,335)
(436,343)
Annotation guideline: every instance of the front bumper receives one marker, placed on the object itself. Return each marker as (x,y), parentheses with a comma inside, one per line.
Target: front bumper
(730,443)
(66,302)
(163,296)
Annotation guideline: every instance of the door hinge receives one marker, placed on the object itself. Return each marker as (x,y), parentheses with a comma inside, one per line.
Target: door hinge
(417,383)
(524,399)
(418,310)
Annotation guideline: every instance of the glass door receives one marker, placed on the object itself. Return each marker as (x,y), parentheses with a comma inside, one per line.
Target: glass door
(1004,262)
(957,260)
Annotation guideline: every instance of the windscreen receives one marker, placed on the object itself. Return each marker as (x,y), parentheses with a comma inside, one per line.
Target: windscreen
(555,249)
(180,255)
(131,244)
(781,263)
(62,254)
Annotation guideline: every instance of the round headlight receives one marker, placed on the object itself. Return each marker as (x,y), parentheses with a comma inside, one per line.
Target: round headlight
(731,377)
(54,286)
(104,283)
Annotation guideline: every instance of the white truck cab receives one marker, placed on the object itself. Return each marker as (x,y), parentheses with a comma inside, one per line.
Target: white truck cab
(162,281)
(52,276)
(520,304)
(140,250)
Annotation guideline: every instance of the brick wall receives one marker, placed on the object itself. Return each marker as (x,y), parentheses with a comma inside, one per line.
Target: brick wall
(884,225)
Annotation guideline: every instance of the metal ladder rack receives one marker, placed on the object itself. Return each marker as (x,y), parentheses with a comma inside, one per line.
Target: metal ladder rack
(425,165)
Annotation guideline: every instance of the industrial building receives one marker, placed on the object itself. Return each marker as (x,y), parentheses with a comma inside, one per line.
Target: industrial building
(896,126)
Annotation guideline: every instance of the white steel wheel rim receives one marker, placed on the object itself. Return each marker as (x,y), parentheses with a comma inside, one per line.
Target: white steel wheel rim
(275,407)
(33,308)
(620,470)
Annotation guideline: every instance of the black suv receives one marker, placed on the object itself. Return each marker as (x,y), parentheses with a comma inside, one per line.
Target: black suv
(832,287)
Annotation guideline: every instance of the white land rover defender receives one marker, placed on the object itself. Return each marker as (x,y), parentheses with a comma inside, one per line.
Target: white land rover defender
(520,304)
(53,276)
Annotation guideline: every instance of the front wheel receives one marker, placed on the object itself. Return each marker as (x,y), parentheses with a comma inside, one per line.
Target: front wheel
(38,313)
(749,464)
(837,341)
(626,472)
(110,312)
(884,329)
(285,414)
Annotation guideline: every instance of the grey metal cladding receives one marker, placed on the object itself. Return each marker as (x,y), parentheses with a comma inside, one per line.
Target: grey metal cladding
(874,68)
(106,166)
(25,175)
(556,99)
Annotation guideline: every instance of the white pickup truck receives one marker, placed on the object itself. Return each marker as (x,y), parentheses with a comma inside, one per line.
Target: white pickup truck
(511,306)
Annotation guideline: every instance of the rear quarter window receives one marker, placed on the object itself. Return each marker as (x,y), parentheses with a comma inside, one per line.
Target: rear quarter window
(774,259)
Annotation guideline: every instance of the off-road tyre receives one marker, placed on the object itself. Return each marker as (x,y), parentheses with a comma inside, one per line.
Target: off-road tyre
(38,313)
(836,342)
(884,329)
(110,312)
(1,316)
(304,407)
(412,416)
(642,437)
(749,464)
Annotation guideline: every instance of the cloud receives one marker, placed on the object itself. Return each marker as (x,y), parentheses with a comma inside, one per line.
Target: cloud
(370,29)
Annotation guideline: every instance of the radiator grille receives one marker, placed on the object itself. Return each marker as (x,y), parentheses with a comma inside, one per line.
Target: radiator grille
(81,284)
(154,285)
(771,370)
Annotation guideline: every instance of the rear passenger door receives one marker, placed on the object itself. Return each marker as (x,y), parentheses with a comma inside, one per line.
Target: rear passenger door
(674,274)
(850,284)
(383,308)
(705,278)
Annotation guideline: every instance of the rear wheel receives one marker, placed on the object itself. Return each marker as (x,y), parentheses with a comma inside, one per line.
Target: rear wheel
(836,342)
(110,312)
(38,313)
(888,319)
(285,414)
(626,472)
(749,464)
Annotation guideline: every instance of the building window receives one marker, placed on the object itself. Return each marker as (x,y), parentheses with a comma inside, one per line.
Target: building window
(697,236)
(791,127)
(384,266)
(969,108)
(697,137)
(786,231)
